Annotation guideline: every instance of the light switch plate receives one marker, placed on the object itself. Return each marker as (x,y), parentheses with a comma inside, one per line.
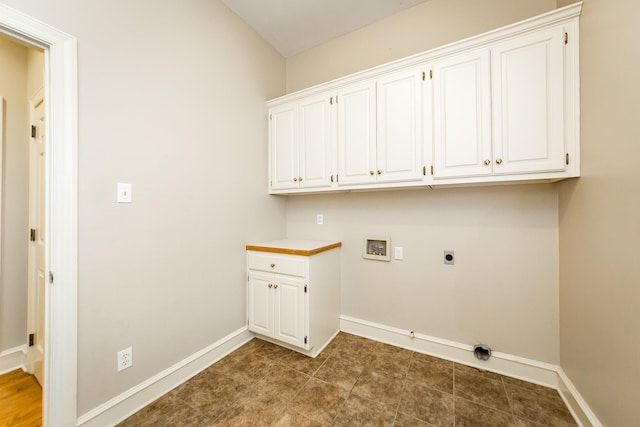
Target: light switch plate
(398,253)
(124,192)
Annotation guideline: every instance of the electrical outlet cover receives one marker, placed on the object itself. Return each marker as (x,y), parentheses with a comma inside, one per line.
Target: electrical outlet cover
(125,358)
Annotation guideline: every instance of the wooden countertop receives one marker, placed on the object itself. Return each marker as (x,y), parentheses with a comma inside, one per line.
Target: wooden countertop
(295,247)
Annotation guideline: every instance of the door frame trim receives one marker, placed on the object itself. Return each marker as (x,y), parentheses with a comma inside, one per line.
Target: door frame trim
(61,210)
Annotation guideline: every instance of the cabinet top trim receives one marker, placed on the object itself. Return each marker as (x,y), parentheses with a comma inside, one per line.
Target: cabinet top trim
(294,247)
(550,18)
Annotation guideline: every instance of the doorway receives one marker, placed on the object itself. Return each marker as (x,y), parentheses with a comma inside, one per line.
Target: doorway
(60,210)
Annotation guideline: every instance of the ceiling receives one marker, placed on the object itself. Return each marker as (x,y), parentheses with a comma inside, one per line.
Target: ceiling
(292,26)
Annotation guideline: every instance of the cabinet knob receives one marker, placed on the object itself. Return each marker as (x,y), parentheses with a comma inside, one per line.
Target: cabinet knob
(295,179)
(487,162)
(273,265)
(498,161)
(270,286)
(300,179)
(275,286)
(379,171)
(370,172)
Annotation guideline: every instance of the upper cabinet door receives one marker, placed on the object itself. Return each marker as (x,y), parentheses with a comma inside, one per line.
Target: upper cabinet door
(317,141)
(399,132)
(283,146)
(357,134)
(462,116)
(528,111)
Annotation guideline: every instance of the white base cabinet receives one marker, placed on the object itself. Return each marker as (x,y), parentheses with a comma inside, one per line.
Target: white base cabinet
(294,293)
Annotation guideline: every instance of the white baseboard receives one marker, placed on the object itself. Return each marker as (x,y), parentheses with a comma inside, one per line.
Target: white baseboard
(126,404)
(541,373)
(12,359)
(582,413)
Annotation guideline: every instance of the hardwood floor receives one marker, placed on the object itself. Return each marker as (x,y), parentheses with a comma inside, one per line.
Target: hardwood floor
(21,400)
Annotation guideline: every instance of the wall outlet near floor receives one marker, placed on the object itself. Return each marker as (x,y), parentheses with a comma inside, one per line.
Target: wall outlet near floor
(448,257)
(125,358)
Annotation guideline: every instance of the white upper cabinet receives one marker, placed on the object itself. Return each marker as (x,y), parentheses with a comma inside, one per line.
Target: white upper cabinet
(503,106)
(301,143)
(528,112)
(399,128)
(462,116)
(357,134)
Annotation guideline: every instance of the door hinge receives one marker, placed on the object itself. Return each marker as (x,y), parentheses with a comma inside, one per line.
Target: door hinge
(305,289)
(305,339)
(331,100)
(566,158)
(31,339)
(32,235)
(50,277)
(430,74)
(431,169)
(33,131)
(566,38)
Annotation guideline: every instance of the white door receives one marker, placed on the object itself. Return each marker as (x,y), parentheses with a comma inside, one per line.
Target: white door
(36,270)
(357,134)
(261,303)
(289,310)
(283,128)
(528,111)
(399,139)
(462,116)
(317,141)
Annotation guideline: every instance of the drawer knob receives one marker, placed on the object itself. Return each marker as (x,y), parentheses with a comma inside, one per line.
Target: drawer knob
(273,265)
(275,286)
(487,162)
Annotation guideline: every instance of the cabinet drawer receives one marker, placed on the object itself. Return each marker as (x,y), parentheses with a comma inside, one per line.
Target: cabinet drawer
(291,265)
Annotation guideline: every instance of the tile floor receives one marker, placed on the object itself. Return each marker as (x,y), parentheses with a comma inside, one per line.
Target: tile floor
(353,382)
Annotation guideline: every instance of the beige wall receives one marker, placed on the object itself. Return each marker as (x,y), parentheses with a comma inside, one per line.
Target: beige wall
(503,290)
(425,26)
(600,220)
(13,280)
(172,99)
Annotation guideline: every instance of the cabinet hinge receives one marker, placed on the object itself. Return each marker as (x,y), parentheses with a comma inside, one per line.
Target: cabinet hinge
(33,131)
(337,176)
(50,277)
(32,235)
(424,170)
(336,99)
(305,340)
(566,158)
(305,289)
(431,169)
(331,100)
(331,178)
(31,339)
(430,74)
(270,117)
(566,38)
(424,75)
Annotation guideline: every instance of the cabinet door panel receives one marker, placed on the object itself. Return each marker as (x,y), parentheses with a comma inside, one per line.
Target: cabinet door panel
(289,309)
(316,141)
(528,112)
(261,303)
(399,138)
(462,121)
(283,145)
(356,134)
